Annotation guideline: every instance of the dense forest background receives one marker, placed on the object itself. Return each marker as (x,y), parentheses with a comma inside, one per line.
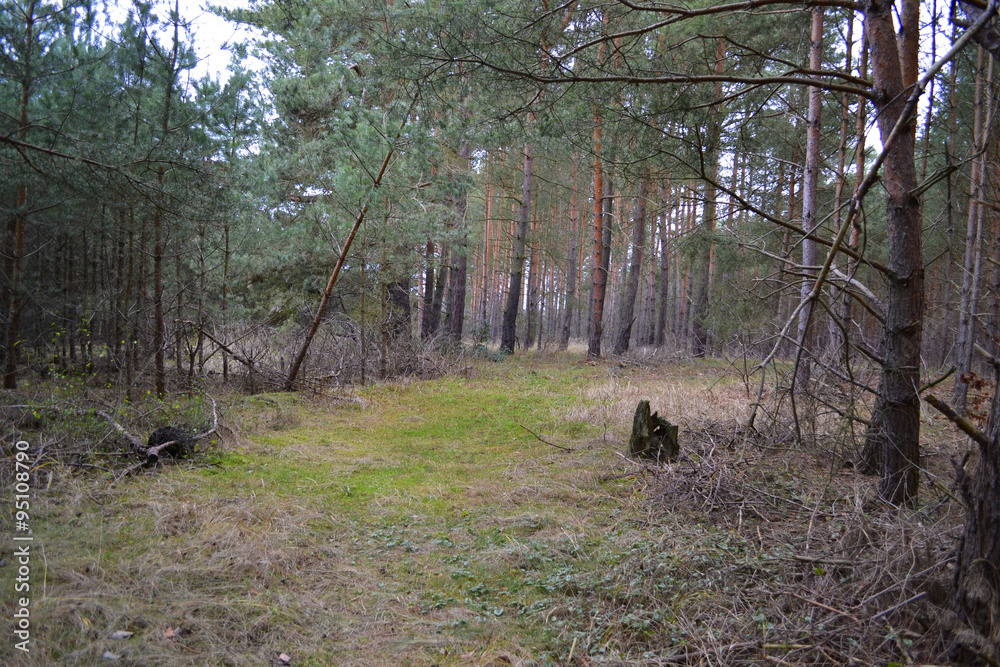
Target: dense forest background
(808,188)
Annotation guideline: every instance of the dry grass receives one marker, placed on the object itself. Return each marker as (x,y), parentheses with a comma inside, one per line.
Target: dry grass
(419,523)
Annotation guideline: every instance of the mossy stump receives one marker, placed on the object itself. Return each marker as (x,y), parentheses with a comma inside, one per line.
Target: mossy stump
(653,437)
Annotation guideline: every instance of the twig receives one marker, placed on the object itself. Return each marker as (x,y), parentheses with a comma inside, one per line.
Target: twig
(821,559)
(934,383)
(901,604)
(628,460)
(827,607)
(215,422)
(935,566)
(540,438)
(959,421)
(701,653)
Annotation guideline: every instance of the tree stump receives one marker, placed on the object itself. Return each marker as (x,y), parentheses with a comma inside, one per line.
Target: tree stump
(653,437)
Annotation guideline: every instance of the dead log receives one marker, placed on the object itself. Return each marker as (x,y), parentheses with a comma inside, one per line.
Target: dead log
(134,441)
(653,437)
(167,441)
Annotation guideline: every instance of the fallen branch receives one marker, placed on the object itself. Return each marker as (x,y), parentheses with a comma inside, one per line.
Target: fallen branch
(136,442)
(628,460)
(994,362)
(151,455)
(934,383)
(959,421)
(540,438)
(825,561)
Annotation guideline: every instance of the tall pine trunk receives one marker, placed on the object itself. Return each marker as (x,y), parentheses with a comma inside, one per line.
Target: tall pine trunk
(458,275)
(599,276)
(626,313)
(895,424)
(426,325)
(700,335)
(18,222)
(810,201)
(661,318)
(509,331)
(571,291)
(531,307)
(975,231)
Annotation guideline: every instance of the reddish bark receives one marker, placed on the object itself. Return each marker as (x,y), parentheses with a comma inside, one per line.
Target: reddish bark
(599,277)
(895,429)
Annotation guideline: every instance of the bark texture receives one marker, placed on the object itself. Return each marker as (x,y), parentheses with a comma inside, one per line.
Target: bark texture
(975,596)
(810,199)
(895,426)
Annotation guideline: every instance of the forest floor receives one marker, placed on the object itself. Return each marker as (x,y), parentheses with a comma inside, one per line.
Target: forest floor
(428,522)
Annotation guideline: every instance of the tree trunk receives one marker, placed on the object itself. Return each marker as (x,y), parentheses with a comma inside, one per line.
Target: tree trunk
(531,307)
(225,301)
(398,317)
(159,333)
(599,279)
(810,200)
(700,335)
(601,269)
(975,597)
(854,241)
(456,291)
(179,339)
(437,301)
(18,222)
(158,325)
(839,298)
(973,245)
(661,321)
(895,422)
(944,339)
(626,313)
(428,297)
(509,331)
(571,292)
(16,232)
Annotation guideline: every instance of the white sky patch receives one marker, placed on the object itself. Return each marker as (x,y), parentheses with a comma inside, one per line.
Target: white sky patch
(210,34)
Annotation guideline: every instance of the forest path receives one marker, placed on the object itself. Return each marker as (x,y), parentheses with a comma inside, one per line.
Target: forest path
(407,523)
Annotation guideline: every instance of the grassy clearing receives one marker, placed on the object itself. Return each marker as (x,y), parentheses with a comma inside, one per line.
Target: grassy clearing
(421,523)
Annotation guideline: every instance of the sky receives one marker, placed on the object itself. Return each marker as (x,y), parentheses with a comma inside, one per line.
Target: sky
(210,33)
